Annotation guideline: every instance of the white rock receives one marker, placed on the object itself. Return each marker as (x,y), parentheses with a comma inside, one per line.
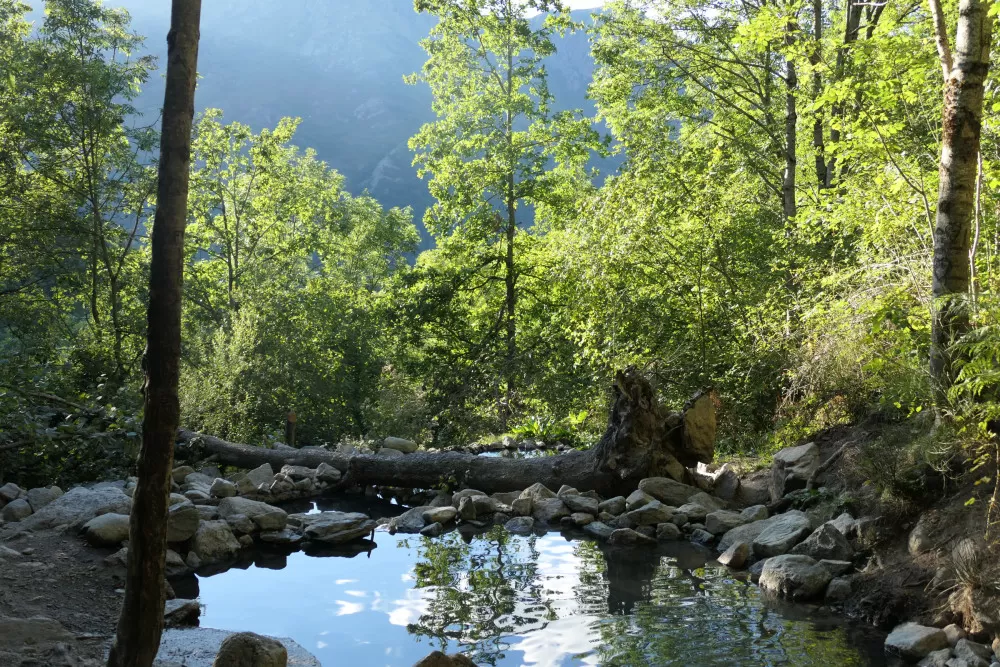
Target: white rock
(400,444)
(912,641)
(107,530)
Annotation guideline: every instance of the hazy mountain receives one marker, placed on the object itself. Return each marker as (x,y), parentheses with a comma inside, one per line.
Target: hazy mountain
(337,64)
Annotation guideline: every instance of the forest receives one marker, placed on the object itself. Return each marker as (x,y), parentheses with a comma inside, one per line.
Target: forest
(790,207)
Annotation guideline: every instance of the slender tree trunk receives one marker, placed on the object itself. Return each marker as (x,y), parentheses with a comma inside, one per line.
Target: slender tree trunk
(141,623)
(791,120)
(961,127)
(851,28)
(814,59)
(510,276)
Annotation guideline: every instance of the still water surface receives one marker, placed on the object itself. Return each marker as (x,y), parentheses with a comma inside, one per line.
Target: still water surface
(508,600)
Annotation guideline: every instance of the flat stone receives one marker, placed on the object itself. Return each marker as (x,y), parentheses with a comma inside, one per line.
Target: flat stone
(16,633)
(520,525)
(400,445)
(442,515)
(668,491)
(795,577)
(735,556)
(78,506)
(629,537)
(107,530)
(650,514)
(667,531)
(578,503)
(181,613)
(266,517)
(614,506)
(284,536)
(598,529)
(913,641)
(722,521)
(338,527)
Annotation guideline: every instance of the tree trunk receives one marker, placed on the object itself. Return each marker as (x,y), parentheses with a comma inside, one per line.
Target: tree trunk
(815,59)
(640,441)
(141,623)
(791,119)
(960,136)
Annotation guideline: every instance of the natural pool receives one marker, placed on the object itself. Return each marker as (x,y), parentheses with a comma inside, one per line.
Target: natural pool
(508,600)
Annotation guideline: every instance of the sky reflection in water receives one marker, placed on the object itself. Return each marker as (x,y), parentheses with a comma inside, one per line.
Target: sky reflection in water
(506,600)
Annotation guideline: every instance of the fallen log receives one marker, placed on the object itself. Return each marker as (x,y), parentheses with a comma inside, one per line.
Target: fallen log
(641,441)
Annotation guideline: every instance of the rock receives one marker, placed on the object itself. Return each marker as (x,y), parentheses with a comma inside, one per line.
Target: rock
(6,553)
(668,491)
(613,506)
(410,521)
(936,658)
(198,647)
(441,499)
(467,509)
(486,505)
(197,495)
(522,506)
(193,561)
(913,642)
(520,525)
(388,453)
(298,472)
(456,498)
(182,522)
(439,659)
(974,653)
(700,536)
(222,488)
(637,499)
(240,524)
(727,483)
(650,514)
(327,474)
(10,492)
(799,462)
(214,542)
(693,511)
(578,503)
(549,510)
(442,515)
(838,590)
(735,556)
(263,474)
(246,541)
(783,532)
(400,445)
(197,480)
(920,541)
(180,473)
(667,531)
(107,530)
(845,523)
(432,530)
(837,567)
(181,613)
(757,569)
(722,521)
(208,512)
(598,529)
(17,633)
(754,513)
(680,519)
(39,498)
(246,649)
(628,537)
(579,519)
(954,633)
(284,536)
(338,527)
(16,510)
(795,577)
(710,503)
(537,491)
(266,517)
(566,489)
(825,543)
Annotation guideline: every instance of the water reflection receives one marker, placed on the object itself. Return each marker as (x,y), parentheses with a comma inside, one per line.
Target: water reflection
(539,600)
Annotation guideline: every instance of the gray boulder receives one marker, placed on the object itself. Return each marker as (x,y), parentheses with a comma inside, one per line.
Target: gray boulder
(825,543)
(694,512)
(598,529)
(107,530)
(338,527)
(614,506)
(522,506)
(214,542)
(629,537)
(650,514)
(246,649)
(794,577)
(222,488)
(701,536)
(912,641)
(39,498)
(668,491)
(838,589)
(538,491)
(410,521)
(432,530)
(467,509)
(520,525)
(285,536)
(637,499)
(578,503)
(442,515)
(837,567)
(266,517)
(727,483)
(940,658)
(181,613)
(974,653)
(800,462)
(549,510)
(327,474)
(180,473)
(78,506)
(722,521)
(241,524)
(182,522)
(261,475)
(735,556)
(16,510)
(783,532)
(845,523)
(754,513)
(10,492)
(667,531)
(389,453)
(400,445)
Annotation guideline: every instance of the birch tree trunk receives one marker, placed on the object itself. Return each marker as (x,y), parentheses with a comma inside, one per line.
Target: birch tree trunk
(961,122)
(141,623)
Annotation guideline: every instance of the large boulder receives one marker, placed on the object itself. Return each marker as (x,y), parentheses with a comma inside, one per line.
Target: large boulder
(650,514)
(520,525)
(439,659)
(410,521)
(668,491)
(736,555)
(722,521)
(795,577)
(538,491)
(246,649)
(214,542)
(748,532)
(825,543)
(912,641)
(78,506)
(182,522)
(222,488)
(107,530)
(266,517)
(262,474)
(578,503)
(400,445)
(199,647)
(16,510)
(727,483)
(327,474)
(10,492)
(39,498)
(699,429)
(442,515)
(783,532)
(549,510)
(637,499)
(799,463)
(338,527)
(614,506)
